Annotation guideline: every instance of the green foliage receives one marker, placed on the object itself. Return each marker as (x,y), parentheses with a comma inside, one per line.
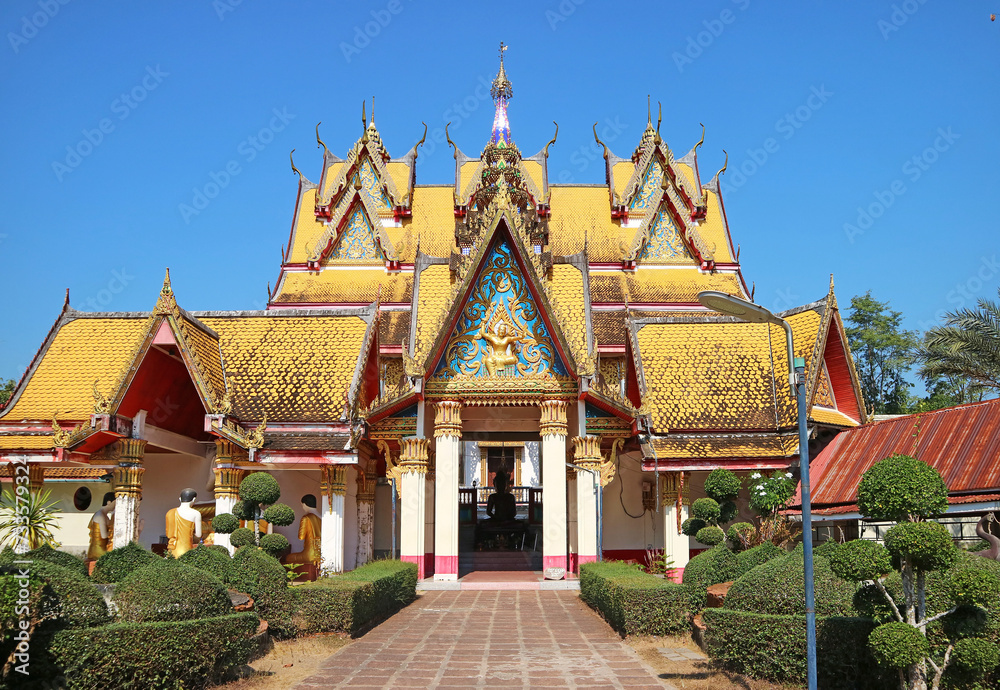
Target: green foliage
(115,565)
(898,645)
(6,390)
(928,545)
(274,545)
(633,602)
(708,568)
(741,533)
(774,648)
(168,590)
(349,602)
(768,495)
(691,526)
(827,548)
(61,558)
(263,578)
(883,352)
(706,509)
(60,594)
(901,488)
(975,588)
(860,559)
(136,656)
(976,656)
(260,488)
(966,347)
(279,515)
(241,536)
(757,555)
(211,559)
(711,535)
(27,517)
(722,485)
(242,510)
(778,587)
(225,523)
(727,511)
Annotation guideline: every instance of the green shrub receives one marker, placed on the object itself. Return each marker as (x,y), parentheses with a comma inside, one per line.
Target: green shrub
(774,648)
(708,568)
(928,545)
(261,488)
(279,514)
(757,555)
(117,563)
(244,510)
(861,559)
(722,485)
(60,558)
(826,549)
(225,523)
(274,544)
(691,526)
(127,656)
(976,656)
(778,587)
(898,645)
(706,510)
(634,602)
(66,597)
(711,535)
(264,579)
(242,536)
(975,588)
(727,511)
(900,488)
(741,532)
(169,590)
(214,560)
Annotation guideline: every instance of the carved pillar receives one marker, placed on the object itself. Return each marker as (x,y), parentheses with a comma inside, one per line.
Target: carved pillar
(448,442)
(587,454)
(413,495)
(128,489)
(227,485)
(553,431)
(36,477)
(366,517)
(676,501)
(334,487)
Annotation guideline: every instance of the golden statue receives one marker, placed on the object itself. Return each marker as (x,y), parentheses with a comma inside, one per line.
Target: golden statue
(183,525)
(498,355)
(309,532)
(102,528)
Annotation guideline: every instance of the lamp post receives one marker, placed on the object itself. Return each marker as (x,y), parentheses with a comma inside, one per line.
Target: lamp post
(748,311)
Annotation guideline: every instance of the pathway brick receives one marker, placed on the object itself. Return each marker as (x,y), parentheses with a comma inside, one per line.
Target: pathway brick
(488,639)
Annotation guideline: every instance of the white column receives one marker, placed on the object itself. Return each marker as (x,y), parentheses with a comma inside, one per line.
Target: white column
(413,501)
(553,430)
(227,487)
(334,488)
(586,454)
(675,544)
(448,435)
(128,490)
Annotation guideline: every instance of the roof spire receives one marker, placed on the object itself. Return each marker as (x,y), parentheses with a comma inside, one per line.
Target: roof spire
(167,290)
(501,92)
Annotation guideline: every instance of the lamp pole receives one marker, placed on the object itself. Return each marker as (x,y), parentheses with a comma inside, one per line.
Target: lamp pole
(748,311)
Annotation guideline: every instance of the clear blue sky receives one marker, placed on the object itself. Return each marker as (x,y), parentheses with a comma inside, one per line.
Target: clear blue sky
(822,106)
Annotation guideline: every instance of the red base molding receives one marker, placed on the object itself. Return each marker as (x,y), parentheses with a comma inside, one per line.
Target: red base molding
(421,567)
(446,565)
(554,561)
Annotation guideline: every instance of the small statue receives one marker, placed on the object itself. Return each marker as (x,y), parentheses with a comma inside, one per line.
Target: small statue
(499,355)
(309,532)
(102,528)
(501,506)
(183,525)
(983,530)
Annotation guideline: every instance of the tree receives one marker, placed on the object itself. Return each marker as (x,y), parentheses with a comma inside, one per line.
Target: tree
(907,491)
(6,390)
(883,352)
(27,519)
(966,347)
(722,487)
(257,490)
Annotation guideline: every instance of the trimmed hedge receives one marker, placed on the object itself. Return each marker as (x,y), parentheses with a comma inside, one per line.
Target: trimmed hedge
(189,654)
(778,587)
(774,648)
(212,559)
(757,555)
(634,602)
(265,580)
(68,598)
(348,602)
(168,590)
(60,558)
(118,563)
(708,568)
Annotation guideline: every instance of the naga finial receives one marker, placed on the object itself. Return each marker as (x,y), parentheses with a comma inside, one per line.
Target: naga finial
(702,140)
(364,117)
(450,142)
(659,117)
(545,151)
(319,142)
(831,283)
(167,289)
(423,138)
(598,140)
(66,301)
(292,161)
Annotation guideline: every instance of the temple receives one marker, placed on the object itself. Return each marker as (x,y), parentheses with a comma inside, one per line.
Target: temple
(422,341)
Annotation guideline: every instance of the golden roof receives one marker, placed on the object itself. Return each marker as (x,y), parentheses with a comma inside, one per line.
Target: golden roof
(729,446)
(583,214)
(567,296)
(825,415)
(345,286)
(433,296)
(658,285)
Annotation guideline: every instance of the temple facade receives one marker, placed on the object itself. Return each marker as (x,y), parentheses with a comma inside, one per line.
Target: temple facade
(497,364)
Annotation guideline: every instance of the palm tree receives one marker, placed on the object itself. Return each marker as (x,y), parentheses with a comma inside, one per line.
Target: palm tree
(31,529)
(966,346)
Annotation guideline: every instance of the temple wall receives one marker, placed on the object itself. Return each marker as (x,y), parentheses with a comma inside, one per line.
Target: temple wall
(383,520)
(351,520)
(626,537)
(71,530)
(166,475)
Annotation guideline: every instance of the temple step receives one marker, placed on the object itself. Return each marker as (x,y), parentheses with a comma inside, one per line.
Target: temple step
(500,560)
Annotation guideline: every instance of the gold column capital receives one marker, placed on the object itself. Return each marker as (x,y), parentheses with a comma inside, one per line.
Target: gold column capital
(587,452)
(366,487)
(224,451)
(672,485)
(553,419)
(413,455)
(333,480)
(448,418)
(128,481)
(227,482)
(129,450)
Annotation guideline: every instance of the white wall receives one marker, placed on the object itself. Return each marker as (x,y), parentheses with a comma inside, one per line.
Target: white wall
(620,530)
(72,530)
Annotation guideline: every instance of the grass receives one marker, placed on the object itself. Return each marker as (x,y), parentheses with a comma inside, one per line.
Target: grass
(289,663)
(693,675)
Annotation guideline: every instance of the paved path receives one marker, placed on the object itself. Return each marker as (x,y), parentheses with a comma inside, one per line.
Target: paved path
(485,640)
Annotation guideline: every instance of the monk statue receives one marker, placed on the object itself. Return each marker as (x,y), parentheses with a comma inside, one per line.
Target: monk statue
(309,533)
(499,355)
(183,525)
(102,528)
(501,506)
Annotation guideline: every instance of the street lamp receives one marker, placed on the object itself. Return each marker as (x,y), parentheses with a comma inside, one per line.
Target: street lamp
(748,311)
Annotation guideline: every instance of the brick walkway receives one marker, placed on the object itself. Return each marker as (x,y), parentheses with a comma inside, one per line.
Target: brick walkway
(488,639)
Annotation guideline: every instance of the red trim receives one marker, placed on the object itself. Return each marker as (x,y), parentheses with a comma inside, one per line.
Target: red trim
(580,560)
(446,565)
(555,561)
(688,465)
(420,564)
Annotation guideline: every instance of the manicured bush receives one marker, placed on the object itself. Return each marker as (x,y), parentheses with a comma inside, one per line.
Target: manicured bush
(274,544)
(711,535)
(214,560)
(778,587)
(774,648)
(727,511)
(740,533)
(975,588)
(225,523)
(708,568)
(898,645)
(976,655)
(60,558)
(861,559)
(706,510)
(126,656)
(261,488)
(758,555)
(634,602)
(116,564)
(928,544)
(242,536)
(243,510)
(349,602)
(264,579)
(826,549)
(66,597)
(722,485)
(279,515)
(692,525)
(168,590)
(900,488)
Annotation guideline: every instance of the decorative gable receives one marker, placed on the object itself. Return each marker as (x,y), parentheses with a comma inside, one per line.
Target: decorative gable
(663,242)
(357,242)
(647,194)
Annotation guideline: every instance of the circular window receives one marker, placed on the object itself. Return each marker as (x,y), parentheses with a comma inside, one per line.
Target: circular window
(82,498)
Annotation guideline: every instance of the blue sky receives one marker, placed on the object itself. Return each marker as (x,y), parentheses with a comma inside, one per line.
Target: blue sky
(862,136)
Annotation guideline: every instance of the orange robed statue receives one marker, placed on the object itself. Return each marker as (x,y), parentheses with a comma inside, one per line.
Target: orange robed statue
(102,528)
(309,533)
(183,525)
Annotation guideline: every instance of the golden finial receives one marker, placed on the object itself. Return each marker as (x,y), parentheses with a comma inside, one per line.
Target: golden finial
(831,283)
(292,161)
(102,404)
(598,140)
(167,290)
(659,117)
(66,301)
(501,85)
(319,142)
(725,165)
(424,137)
(373,110)
(450,142)
(255,439)
(702,140)
(364,117)
(649,112)
(545,151)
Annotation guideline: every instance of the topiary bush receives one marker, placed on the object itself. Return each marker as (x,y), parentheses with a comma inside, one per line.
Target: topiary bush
(706,509)
(60,558)
(118,563)
(260,488)
(225,523)
(708,568)
(241,536)
(755,556)
(740,534)
(64,596)
(928,545)
(898,645)
(901,488)
(722,485)
(827,548)
(168,590)
(861,559)
(280,515)
(274,545)
(214,560)
(264,579)
(711,535)
(634,602)
(778,587)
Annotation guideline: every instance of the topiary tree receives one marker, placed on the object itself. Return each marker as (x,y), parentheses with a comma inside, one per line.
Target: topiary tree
(214,560)
(905,490)
(168,590)
(242,536)
(116,564)
(708,514)
(257,490)
(275,545)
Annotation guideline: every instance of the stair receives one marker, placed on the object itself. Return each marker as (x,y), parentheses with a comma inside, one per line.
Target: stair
(499,560)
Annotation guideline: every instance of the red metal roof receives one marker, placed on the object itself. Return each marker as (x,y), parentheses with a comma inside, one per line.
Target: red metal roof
(962,443)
